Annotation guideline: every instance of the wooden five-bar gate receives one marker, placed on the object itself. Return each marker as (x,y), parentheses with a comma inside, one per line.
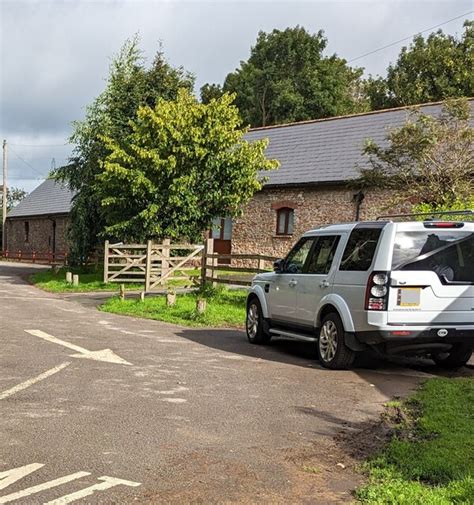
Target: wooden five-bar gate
(156,265)
(153,265)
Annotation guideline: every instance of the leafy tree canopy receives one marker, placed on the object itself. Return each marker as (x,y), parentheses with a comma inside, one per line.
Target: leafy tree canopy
(287,79)
(130,84)
(14,196)
(432,69)
(210,91)
(429,160)
(183,164)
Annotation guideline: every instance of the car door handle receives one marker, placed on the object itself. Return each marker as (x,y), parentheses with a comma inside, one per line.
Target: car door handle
(324,284)
(292,283)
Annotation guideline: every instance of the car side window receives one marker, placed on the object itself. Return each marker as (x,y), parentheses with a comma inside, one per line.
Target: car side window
(360,249)
(323,254)
(296,259)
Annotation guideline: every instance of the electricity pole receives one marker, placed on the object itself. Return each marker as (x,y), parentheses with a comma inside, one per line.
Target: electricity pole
(5,193)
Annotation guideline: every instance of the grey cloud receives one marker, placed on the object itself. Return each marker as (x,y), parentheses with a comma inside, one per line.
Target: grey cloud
(55,54)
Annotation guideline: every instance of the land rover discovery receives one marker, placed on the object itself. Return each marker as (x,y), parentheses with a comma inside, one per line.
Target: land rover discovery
(403,287)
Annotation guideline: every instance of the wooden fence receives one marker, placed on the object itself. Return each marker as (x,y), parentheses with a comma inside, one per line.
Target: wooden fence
(236,269)
(182,265)
(41,257)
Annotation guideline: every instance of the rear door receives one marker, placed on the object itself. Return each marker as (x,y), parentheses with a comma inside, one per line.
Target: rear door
(432,279)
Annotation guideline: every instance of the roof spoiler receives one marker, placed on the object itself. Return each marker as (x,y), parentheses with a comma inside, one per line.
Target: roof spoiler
(430,215)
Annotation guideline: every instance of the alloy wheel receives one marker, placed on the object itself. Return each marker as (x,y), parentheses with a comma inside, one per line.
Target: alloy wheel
(328,341)
(252,320)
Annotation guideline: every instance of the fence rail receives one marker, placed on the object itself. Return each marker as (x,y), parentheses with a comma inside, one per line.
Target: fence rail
(41,257)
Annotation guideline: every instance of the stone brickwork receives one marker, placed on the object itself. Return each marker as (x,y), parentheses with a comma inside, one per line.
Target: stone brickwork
(255,231)
(40,234)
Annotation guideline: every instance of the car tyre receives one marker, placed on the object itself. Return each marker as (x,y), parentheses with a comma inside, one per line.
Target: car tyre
(332,350)
(255,323)
(457,357)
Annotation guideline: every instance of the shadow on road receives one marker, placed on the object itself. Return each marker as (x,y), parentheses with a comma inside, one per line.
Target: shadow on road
(392,376)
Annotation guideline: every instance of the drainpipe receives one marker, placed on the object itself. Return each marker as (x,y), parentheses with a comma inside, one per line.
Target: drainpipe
(358,198)
(53,245)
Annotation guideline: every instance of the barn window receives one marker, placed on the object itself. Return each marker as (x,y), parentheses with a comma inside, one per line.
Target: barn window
(285,221)
(27,231)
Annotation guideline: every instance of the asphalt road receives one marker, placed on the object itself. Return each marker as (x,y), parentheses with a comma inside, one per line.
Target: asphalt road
(171,414)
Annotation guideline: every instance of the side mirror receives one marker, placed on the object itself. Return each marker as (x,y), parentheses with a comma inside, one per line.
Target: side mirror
(278,265)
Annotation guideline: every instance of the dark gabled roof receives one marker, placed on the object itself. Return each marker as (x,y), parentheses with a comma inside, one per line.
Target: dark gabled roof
(328,150)
(48,198)
(322,151)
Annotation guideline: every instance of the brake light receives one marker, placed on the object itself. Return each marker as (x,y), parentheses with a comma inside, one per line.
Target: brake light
(443,224)
(376,294)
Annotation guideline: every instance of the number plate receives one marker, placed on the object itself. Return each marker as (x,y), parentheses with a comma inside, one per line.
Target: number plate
(409,297)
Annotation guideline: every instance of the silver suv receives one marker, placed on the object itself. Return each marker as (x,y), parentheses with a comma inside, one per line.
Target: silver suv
(399,287)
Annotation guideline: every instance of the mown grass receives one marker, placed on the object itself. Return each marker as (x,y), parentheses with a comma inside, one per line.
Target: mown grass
(431,460)
(225,308)
(55,282)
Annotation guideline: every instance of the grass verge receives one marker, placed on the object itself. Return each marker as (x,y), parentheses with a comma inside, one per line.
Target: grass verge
(225,308)
(55,282)
(430,459)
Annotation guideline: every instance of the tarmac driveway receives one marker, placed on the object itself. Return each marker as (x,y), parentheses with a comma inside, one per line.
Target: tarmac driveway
(165,414)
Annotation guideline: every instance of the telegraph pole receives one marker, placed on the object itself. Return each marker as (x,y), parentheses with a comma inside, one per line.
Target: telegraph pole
(5,194)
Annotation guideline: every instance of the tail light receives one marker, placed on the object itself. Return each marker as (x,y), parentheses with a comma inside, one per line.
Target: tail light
(443,224)
(376,295)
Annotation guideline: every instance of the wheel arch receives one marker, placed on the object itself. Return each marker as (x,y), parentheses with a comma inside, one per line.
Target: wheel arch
(257,292)
(335,303)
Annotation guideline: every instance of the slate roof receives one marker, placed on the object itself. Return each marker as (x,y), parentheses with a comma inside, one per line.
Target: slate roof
(324,151)
(47,199)
(328,150)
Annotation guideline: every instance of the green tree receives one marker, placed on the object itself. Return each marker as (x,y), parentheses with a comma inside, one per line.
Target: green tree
(429,160)
(287,78)
(130,84)
(14,196)
(432,69)
(211,91)
(184,164)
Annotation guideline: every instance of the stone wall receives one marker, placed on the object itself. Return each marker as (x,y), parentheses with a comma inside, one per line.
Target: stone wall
(40,234)
(255,231)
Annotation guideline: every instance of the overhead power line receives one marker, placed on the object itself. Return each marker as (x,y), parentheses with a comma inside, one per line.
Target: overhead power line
(409,37)
(40,145)
(26,163)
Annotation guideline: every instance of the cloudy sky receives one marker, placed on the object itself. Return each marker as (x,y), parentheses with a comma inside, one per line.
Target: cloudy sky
(55,54)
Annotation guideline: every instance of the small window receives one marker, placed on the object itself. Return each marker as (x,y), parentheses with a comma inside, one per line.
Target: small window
(221,228)
(27,231)
(296,259)
(285,221)
(323,255)
(360,249)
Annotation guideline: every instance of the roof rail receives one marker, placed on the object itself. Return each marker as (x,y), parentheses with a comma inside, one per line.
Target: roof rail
(467,212)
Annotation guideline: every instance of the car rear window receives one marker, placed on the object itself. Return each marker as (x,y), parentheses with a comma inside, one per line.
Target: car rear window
(360,249)
(448,253)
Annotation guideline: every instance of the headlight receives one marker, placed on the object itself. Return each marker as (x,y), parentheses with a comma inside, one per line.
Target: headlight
(378,291)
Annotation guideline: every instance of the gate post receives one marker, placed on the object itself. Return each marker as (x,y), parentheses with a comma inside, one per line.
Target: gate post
(165,254)
(207,263)
(106,261)
(149,250)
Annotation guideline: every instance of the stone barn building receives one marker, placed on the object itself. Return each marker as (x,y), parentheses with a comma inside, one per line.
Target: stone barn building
(39,222)
(317,161)
(317,158)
